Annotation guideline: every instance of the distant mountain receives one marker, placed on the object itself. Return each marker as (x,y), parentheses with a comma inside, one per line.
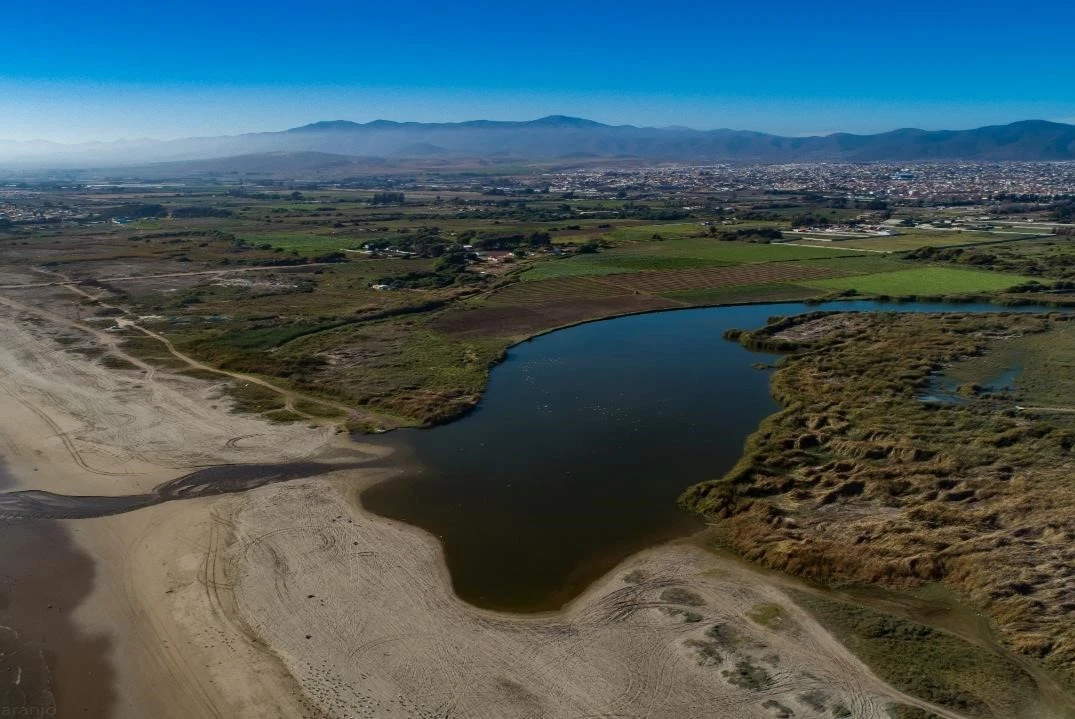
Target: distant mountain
(558,137)
(262,164)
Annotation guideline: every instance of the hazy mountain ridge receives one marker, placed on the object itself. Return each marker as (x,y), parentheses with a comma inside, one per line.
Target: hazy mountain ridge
(558,137)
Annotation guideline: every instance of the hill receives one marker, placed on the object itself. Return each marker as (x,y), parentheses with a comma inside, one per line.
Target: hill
(559,137)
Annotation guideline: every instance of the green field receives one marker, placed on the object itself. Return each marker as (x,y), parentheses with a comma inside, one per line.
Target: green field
(305,243)
(864,264)
(676,255)
(923,281)
(678,230)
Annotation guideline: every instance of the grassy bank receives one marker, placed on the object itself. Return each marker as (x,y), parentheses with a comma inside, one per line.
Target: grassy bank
(930,664)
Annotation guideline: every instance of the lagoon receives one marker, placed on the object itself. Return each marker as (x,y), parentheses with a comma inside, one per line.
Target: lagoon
(581,445)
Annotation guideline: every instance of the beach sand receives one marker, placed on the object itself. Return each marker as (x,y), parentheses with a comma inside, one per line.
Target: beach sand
(289,600)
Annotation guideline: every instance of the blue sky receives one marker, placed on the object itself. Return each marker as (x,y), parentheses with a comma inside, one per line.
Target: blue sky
(73,71)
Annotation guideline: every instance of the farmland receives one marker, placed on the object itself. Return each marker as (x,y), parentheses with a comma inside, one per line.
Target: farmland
(908,240)
(399,308)
(674,255)
(933,281)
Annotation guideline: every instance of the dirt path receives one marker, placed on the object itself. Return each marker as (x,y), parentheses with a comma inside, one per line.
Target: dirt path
(1053,410)
(289,396)
(198,273)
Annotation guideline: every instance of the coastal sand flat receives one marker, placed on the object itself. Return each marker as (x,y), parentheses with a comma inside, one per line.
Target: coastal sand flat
(73,427)
(290,600)
(360,609)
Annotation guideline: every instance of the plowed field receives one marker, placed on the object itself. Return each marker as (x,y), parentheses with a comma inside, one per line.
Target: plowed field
(706,277)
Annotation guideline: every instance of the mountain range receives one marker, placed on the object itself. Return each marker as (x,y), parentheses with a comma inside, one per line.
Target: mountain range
(553,139)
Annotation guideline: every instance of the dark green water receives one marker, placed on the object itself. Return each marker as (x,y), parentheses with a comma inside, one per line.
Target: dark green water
(580,447)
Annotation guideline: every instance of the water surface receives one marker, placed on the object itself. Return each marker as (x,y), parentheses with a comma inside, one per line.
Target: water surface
(581,445)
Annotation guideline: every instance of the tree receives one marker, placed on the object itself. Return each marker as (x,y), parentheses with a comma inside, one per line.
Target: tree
(539,239)
(1064,211)
(810,220)
(452,261)
(388,198)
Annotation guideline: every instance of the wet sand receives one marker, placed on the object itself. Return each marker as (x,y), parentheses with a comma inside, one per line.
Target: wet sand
(108,616)
(49,664)
(32,504)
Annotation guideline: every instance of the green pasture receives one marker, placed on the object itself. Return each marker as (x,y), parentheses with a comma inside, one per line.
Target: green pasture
(923,281)
(675,255)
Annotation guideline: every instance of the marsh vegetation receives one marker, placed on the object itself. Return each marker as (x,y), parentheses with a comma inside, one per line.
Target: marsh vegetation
(858,481)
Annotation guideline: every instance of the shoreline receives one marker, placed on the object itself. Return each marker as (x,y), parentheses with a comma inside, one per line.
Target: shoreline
(196,613)
(216,622)
(954,301)
(72,427)
(395,631)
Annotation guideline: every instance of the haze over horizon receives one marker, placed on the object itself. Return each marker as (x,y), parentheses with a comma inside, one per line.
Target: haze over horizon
(508,119)
(118,69)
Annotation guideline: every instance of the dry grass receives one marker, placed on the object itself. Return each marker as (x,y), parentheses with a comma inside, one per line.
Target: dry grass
(857,480)
(933,665)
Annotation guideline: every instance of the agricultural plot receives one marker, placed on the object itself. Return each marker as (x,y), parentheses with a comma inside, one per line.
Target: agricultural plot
(305,243)
(610,263)
(768,273)
(676,255)
(667,232)
(923,281)
(508,323)
(739,294)
(912,240)
(553,291)
(524,308)
(725,252)
(865,263)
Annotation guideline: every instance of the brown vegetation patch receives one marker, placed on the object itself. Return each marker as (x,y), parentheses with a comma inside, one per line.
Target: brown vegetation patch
(524,320)
(555,290)
(813,330)
(705,277)
(857,480)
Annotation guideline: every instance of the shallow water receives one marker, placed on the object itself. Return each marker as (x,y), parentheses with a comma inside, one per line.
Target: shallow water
(584,440)
(49,665)
(6,480)
(225,479)
(1005,381)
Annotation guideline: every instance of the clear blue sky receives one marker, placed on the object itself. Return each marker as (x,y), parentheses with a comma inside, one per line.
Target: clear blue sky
(124,68)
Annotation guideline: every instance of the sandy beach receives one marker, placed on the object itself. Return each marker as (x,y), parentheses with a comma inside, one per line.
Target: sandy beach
(289,600)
